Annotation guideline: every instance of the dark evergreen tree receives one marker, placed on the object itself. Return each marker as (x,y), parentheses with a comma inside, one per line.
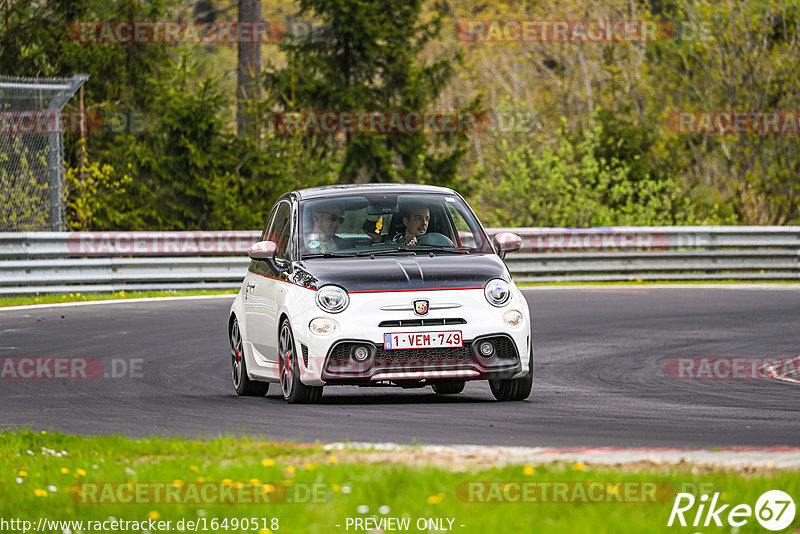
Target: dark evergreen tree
(367,58)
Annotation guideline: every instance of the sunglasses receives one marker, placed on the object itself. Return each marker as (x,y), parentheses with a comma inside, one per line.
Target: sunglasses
(334,217)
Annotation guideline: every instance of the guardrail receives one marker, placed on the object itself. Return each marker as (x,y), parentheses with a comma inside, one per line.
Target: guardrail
(48,262)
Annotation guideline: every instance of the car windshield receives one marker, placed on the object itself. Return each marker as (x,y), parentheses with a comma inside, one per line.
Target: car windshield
(384,223)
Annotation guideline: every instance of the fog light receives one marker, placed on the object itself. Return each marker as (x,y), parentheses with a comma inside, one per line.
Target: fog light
(322,326)
(360,354)
(512,318)
(486,348)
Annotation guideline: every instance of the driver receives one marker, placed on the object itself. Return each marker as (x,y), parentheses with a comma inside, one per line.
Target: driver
(416,223)
(327,218)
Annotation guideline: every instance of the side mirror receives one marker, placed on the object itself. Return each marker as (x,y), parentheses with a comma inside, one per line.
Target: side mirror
(506,242)
(263,250)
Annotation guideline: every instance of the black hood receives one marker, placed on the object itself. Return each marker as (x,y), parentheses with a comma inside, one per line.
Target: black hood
(394,272)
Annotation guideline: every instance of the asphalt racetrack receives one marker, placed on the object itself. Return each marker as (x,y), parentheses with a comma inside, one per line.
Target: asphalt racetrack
(601,357)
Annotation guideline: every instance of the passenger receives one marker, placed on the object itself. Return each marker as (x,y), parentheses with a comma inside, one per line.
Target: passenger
(327,218)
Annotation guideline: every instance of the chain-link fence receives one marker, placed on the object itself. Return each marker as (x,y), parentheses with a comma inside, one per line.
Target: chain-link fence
(32,152)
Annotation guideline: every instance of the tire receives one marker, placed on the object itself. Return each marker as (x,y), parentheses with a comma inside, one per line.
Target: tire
(449,387)
(241,382)
(514,389)
(293,390)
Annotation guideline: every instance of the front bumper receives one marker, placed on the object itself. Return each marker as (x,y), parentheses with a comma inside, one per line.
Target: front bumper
(328,360)
(415,364)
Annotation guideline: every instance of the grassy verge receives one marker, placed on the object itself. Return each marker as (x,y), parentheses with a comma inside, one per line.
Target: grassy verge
(82,297)
(310,490)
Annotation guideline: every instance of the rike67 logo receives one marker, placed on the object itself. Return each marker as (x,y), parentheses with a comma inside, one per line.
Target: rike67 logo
(774,510)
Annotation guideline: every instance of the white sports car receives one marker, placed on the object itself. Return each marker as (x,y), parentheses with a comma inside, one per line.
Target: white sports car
(379,285)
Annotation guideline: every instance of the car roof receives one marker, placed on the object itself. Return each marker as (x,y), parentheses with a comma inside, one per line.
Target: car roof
(329,191)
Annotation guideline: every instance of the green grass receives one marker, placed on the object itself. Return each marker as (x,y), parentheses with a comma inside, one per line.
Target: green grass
(82,297)
(343,483)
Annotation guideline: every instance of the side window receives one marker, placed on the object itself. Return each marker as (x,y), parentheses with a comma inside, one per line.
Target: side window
(465,235)
(270,219)
(281,228)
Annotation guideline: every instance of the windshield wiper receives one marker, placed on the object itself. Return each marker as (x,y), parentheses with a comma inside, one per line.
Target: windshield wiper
(437,248)
(329,255)
(393,250)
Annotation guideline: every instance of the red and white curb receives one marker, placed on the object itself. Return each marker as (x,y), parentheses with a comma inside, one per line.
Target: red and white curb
(734,457)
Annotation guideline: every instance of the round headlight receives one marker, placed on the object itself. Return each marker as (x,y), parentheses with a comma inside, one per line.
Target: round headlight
(497,292)
(512,318)
(332,299)
(322,326)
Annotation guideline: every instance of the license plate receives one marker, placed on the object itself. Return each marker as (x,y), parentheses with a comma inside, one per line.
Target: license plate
(422,340)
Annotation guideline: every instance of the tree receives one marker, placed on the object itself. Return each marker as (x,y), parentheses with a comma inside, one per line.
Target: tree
(248,67)
(367,59)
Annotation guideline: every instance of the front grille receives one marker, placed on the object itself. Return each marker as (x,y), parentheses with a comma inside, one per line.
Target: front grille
(503,347)
(423,357)
(420,322)
(340,364)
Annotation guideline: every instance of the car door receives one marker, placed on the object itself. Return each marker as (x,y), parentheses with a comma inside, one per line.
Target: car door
(264,286)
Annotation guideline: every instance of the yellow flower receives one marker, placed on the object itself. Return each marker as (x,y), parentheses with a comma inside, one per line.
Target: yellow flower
(336,488)
(528,470)
(23,473)
(80,472)
(267,462)
(40,493)
(266,531)
(227,482)
(44,432)
(287,482)
(436,499)
(290,468)
(238,484)
(201,479)
(267,488)
(178,483)
(613,489)
(194,468)
(310,467)
(578,466)
(333,459)
(154,515)
(255,481)
(64,470)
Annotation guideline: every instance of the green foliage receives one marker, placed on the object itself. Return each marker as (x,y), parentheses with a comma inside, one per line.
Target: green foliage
(92,190)
(578,181)
(23,184)
(369,59)
(600,150)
